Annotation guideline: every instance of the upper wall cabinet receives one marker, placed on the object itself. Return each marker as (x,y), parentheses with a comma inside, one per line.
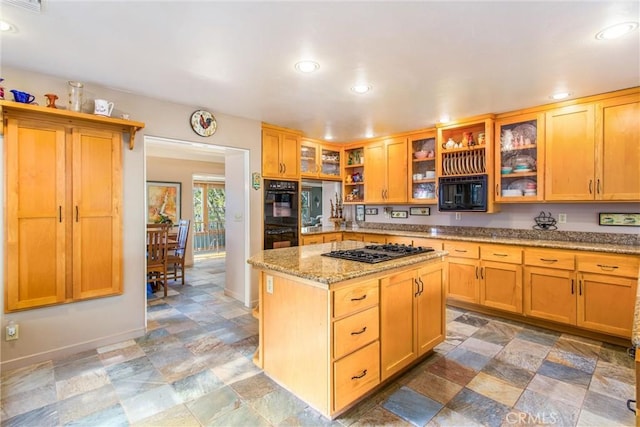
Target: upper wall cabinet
(519,158)
(386,171)
(422,167)
(280,153)
(466,149)
(63,207)
(618,148)
(320,160)
(592,151)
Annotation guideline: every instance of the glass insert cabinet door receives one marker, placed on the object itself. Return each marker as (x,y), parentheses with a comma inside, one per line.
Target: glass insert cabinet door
(422,178)
(519,167)
(330,162)
(308,158)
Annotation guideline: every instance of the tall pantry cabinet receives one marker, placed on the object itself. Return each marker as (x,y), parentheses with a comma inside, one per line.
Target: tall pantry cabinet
(63,223)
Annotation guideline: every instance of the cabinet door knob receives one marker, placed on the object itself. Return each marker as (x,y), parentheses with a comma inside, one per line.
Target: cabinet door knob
(590,186)
(571,286)
(60,213)
(598,186)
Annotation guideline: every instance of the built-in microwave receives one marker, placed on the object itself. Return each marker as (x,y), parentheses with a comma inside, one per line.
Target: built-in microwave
(462,193)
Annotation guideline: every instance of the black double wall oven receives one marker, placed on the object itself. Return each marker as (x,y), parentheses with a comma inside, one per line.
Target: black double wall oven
(281,209)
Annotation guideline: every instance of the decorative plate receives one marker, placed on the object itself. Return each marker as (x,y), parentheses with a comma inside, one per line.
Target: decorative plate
(203,123)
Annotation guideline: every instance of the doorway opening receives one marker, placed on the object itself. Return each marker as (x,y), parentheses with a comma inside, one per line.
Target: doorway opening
(219,176)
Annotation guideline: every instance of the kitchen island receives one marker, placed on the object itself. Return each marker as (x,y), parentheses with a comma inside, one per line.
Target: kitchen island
(333,330)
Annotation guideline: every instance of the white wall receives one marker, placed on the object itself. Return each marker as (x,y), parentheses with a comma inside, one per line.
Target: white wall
(182,171)
(65,329)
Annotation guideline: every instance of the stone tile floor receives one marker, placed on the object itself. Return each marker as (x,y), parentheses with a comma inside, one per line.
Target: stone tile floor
(194,367)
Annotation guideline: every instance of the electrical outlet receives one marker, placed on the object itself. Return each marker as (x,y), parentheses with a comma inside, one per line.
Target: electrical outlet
(458,216)
(269,284)
(562,218)
(12,331)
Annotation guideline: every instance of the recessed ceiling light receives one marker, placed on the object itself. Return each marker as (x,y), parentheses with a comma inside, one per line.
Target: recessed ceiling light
(616,31)
(445,119)
(307,66)
(361,88)
(5,26)
(560,95)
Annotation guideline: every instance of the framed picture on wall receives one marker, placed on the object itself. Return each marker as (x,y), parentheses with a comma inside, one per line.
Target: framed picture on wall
(163,202)
(360,213)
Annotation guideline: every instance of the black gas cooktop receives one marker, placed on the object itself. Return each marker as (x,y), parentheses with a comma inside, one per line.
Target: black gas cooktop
(377,253)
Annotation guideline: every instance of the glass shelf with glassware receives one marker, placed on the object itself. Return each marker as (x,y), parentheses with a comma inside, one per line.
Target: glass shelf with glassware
(422,167)
(519,172)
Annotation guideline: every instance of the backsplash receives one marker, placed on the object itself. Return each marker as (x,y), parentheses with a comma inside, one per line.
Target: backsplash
(564,236)
(581,217)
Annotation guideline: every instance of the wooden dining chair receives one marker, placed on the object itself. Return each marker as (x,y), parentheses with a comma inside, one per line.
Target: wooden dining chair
(157,255)
(175,260)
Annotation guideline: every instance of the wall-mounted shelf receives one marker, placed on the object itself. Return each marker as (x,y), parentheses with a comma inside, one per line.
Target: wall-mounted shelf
(128,126)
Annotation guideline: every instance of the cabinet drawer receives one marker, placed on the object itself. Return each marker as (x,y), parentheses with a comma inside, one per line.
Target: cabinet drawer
(609,265)
(374,238)
(312,240)
(428,243)
(332,237)
(355,331)
(356,374)
(358,237)
(550,258)
(501,254)
(356,297)
(462,249)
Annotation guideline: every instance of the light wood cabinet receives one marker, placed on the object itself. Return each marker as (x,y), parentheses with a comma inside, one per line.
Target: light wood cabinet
(314,239)
(354,175)
(411,316)
(386,171)
(589,148)
(605,282)
(63,208)
(472,154)
(618,148)
(520,148)
(422,179)
(280,153)
(501,277)
(320,160)
(549,285)
(463,278)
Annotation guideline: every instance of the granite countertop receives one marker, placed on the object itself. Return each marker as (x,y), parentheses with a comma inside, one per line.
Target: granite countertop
(600,242)
(306,262)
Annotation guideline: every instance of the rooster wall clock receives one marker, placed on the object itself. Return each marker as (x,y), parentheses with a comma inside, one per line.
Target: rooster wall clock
(203,123)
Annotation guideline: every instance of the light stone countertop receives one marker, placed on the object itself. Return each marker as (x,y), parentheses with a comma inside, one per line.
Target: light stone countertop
(306,262)
(613,248)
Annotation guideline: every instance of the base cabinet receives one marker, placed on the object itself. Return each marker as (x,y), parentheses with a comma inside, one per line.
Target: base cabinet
(411,316)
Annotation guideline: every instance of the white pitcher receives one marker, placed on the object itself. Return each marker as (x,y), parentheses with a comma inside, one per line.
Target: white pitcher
(103,107)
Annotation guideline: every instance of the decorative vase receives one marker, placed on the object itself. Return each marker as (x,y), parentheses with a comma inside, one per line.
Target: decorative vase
(51,100)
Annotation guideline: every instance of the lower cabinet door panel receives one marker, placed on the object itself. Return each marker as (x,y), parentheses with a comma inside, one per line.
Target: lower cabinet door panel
(356,374)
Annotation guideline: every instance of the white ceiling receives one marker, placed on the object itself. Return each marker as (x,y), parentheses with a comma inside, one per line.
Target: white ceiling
(423,59)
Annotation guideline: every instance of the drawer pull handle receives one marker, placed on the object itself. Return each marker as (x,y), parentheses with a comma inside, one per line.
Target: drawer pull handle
(357,377)
(607,267)
(571,286)
(364,328)
(548,260)
(495,254)
(359,299)
(460,250)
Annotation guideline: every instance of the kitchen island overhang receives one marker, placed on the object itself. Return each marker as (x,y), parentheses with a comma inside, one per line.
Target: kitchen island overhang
(331,331)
